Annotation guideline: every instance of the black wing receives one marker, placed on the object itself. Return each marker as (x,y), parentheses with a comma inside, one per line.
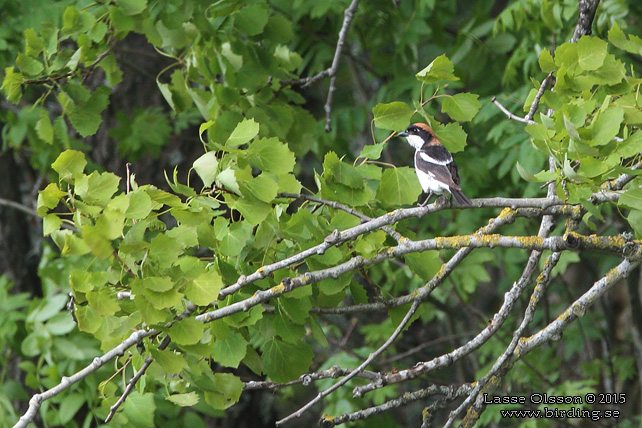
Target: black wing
(439,162)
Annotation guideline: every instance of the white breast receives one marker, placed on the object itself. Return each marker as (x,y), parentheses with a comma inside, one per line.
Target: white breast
(429,184)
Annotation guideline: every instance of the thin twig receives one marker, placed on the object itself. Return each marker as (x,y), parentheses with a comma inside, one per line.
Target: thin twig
(133,380)
(348,15)
(66,382)
(510,115)
(538,97)
(336,205)
(19,206)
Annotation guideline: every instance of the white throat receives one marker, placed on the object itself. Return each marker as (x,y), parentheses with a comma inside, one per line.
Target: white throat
(415,141)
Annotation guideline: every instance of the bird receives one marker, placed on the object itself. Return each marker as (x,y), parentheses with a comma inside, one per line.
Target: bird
(435,167)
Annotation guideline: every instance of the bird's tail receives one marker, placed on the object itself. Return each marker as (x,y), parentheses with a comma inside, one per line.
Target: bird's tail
(461,198)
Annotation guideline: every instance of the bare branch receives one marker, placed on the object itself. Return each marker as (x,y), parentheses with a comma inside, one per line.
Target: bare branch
(540,287)
(336,205)
(98,362)
(133,380)
(585,20)
(66,382)
(510,115)
(450,393)
(392,217)
(538,97)
(348,15)
(402,325)
(579,307)
(19,206)
(333,372)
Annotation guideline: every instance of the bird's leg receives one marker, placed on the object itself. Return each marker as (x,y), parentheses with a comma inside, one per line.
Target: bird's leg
(428,196)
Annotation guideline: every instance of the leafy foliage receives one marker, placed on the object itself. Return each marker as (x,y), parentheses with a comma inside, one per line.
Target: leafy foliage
(137,256)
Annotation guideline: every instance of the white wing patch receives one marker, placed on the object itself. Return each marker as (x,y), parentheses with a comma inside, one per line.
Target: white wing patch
(427,158)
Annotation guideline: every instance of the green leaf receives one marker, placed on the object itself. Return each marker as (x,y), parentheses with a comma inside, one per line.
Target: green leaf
(619,40)
(251,19)
(371,244)
(232,238)
(225,392)
(187,331)
(591,52)
(206,167)
(70,406)
(611,72)
(546,62)
(372,151)
(461,107)
(632,199)
(139,409)
(50,223)
(635,220)
(230,351)
(97,187)
(286,361)
(425,264)
(441,69)
(29,65)
(99,244)
(393,116)
(44,129)
(271,155)
(84,110)
(50,196)
(69,164)
(607,125)
(140,204)
(157,284)
(12,85)
(151,314)
(103,301)
(525,174)
(132,7)
(204,289)
(164,250)
(341,172)
(243,133)
(184,400)
(399,186)
(262,187)
(170,361)
(452,136)
(254,211)
(227,180)
(566,55)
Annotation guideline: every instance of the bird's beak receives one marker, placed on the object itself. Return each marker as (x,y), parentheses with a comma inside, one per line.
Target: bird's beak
(402,134)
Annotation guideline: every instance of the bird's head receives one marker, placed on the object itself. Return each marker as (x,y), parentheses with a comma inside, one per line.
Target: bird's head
(418,134)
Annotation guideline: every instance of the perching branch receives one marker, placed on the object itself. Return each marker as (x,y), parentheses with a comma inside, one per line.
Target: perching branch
(339,237)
